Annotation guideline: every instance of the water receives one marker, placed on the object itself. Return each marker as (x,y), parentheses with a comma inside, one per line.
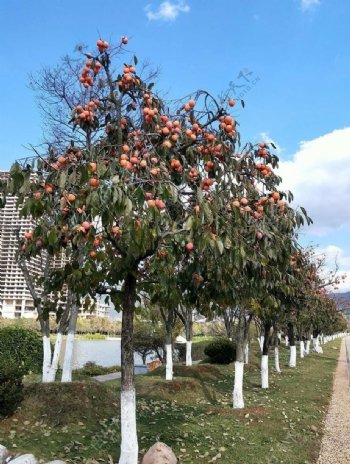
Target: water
(103,352)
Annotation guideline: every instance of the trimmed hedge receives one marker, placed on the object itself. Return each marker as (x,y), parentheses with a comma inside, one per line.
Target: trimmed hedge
(23,346)
(11,387)
(220,351)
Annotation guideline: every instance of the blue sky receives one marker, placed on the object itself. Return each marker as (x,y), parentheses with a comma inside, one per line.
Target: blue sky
(296,51)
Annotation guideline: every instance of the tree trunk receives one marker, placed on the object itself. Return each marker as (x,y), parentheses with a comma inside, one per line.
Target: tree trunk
(242,335)
(169,319)
(129,443)
(307,346)
(317,347)
(229,316)
(46,352)
(169,356)
(261,342)
(246,353)
(68,353)
(265,356)
(302,348)
(293,348)
(56,357)
(276,342)
(189,325)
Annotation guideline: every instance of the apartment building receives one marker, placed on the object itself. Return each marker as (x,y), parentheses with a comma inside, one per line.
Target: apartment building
(15,298)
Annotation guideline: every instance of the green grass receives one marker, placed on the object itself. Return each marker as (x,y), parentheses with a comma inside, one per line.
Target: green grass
(192,414)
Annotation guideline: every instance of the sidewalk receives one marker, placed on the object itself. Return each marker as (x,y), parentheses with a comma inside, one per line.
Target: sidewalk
(107,377)
(335,446)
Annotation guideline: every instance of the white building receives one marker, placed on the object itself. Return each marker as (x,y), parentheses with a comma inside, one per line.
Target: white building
(15,298)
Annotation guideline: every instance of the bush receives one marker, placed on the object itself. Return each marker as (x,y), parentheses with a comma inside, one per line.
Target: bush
(197,350)
(11,387)
(91,369)
(220,351)
(22,346)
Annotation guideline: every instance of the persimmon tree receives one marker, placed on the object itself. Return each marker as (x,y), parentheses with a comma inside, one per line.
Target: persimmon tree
(154,176)
(150,176)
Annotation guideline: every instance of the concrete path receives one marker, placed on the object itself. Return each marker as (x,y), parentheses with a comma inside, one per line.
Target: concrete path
(106,377)
(335,447)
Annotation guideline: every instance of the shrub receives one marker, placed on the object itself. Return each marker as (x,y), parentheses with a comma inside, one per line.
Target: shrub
(197,350)
(22,346)
(91,369)
(220,351)
(11,387)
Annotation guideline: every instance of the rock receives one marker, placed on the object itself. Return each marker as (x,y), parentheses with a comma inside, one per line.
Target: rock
(57,461)
(159,453)
(3,454)
(24,459)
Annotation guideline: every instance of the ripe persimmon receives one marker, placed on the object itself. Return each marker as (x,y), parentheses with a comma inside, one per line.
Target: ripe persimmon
(94,182)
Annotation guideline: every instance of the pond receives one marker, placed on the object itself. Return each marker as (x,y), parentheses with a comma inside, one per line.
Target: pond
(103,352)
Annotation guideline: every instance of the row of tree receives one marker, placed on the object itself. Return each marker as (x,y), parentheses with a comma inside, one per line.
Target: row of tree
(159,204)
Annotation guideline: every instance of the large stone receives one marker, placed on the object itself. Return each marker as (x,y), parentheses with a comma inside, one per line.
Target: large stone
(3,454)
(159,453)
(24,459)
(57,461)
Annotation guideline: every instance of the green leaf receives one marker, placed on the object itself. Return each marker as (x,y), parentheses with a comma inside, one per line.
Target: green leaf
(220,246)
(128,206)
(52,237)
(227,242)
(62,179)
(189,223)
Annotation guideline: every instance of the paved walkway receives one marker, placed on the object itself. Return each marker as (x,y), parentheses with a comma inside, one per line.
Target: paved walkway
(106,377)
(335,447)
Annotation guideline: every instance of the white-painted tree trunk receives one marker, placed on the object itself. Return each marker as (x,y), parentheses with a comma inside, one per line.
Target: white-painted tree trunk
(302,349)
(261,342)
(277,360)
(264,371)
(56,357)
(238,401)
(317,347)
(169,362)
(293,356)
(129,448)
(46,359)
(286,340)
(68,358)
(188,353)
(246,353)
(279,335)
(307,347)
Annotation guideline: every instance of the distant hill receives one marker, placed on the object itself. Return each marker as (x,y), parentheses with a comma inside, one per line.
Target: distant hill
(341,297)
(343,302)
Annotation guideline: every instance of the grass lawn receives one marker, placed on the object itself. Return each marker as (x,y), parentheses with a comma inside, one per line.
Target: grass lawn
(192,414)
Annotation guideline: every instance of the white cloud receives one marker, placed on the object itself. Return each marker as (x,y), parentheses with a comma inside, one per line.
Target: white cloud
(308,4)
(319,177)
(167,11)
(264,137)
